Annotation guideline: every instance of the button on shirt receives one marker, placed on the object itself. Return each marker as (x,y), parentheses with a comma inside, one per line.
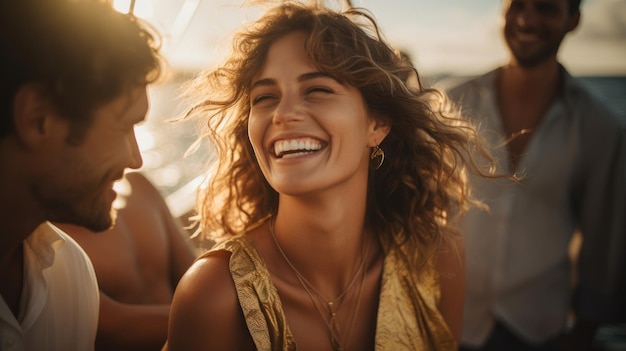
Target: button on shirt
(573,178)
(60,298)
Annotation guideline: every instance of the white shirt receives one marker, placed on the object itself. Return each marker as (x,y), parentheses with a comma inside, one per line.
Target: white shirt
(60,299)
(518,269)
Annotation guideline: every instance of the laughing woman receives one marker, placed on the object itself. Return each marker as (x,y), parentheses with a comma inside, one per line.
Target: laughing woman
(332,199)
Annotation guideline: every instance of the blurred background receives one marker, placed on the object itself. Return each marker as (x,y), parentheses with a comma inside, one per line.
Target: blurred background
(444,36)
(447,40)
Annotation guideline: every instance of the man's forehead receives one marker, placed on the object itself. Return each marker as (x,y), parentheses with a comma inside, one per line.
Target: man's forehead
(131,104)
(537,4)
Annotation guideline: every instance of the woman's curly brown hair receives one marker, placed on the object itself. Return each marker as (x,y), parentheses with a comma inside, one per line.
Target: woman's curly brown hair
(422,183)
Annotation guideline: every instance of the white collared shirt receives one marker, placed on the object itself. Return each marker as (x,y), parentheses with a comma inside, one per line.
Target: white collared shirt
(60,298)
(518,269)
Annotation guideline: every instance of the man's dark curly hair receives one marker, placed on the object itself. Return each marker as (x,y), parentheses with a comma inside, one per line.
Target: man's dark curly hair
(83,53)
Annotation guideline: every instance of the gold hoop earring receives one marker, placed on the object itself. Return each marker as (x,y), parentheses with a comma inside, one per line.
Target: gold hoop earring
(377,157)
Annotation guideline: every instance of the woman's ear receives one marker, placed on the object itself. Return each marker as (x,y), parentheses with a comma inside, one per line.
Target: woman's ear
(378,132)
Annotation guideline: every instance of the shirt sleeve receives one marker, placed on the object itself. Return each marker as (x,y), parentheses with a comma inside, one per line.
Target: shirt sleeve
(601,210)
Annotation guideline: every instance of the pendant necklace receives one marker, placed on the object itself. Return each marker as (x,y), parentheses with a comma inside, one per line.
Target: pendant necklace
(330,321)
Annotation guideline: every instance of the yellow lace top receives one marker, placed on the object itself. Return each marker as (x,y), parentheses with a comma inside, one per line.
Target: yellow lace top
(408,318)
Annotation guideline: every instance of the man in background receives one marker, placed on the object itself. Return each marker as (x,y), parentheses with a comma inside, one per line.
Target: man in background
(569,152)
(73,84)
(138,263)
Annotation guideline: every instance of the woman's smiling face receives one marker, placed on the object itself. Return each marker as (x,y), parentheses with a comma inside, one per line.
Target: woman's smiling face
(308,131)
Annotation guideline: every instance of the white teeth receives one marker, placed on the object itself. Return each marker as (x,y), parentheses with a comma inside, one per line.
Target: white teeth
(527,37)
(296,147)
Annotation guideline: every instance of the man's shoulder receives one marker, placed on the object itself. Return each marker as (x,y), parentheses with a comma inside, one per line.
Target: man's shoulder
(63,286)
(70,253)
(145,194)
(590,107)
(50,240)
(64,260)
(459,88)
(141,184)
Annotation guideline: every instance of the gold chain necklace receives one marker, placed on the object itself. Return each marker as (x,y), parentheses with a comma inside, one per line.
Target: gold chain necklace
(511,137)
(331,321)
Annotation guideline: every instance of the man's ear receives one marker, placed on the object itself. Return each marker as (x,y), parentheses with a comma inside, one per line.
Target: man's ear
(573,21)
(32,112)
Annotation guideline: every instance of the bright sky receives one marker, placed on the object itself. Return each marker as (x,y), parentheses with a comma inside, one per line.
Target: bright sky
(461,36)
(455,37)
(443,36)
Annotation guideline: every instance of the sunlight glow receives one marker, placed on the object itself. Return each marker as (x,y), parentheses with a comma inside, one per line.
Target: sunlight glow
(143,8)
(145,138)
(123,189)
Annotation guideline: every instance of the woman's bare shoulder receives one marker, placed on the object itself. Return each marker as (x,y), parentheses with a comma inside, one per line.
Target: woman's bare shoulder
(205,312)
(209,276)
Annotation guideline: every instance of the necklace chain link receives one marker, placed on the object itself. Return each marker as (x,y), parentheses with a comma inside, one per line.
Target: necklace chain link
(330,321)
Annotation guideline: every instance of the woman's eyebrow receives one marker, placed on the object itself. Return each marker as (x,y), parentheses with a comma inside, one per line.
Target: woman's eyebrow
(302,78)
(263,82)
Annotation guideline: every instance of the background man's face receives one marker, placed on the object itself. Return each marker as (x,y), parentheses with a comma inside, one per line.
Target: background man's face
(534,29)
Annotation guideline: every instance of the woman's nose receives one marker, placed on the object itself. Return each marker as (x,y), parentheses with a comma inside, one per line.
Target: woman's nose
(288,110)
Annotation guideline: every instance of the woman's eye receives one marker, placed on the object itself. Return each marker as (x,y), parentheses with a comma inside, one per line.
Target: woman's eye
(319,90)
(260,98)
